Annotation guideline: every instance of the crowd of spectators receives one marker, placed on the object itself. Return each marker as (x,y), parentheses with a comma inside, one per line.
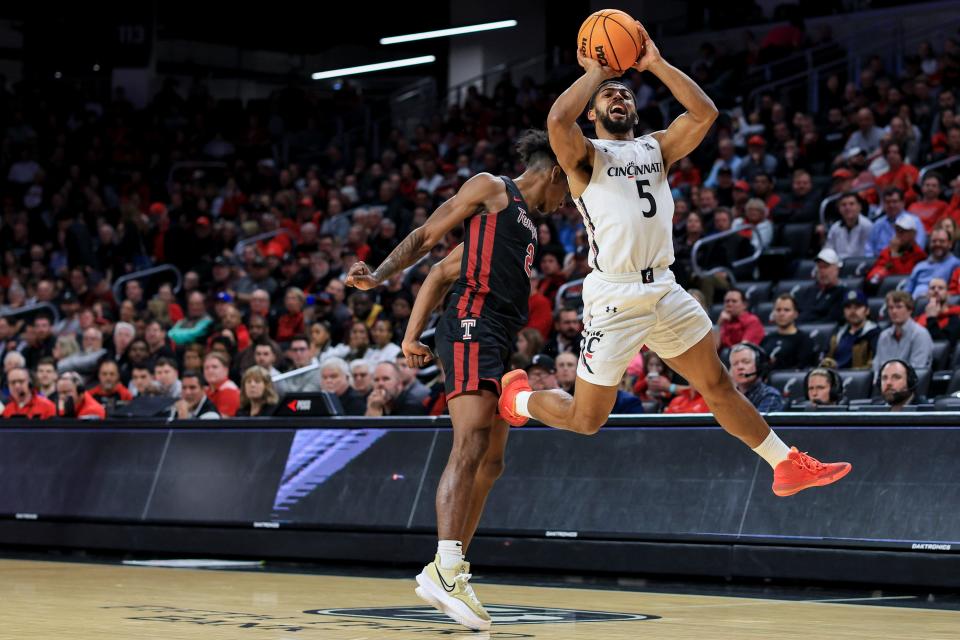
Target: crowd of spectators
(265,228)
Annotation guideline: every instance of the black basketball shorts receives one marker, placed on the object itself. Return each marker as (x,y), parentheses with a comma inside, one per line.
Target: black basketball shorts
(473,351)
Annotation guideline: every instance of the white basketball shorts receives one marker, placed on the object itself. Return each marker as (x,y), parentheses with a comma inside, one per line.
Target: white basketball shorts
(621,313)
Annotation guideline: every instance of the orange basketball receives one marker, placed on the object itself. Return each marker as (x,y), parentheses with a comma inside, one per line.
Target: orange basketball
(611,37)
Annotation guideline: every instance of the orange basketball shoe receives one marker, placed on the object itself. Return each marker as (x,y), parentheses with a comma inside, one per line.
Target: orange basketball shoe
(800,471)
(511,384)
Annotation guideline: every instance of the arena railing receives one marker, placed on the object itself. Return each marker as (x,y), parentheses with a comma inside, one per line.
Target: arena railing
(728,269)
(946,162)
(32,309)
(868,44)
(146,273)
(826,202)
(267,235)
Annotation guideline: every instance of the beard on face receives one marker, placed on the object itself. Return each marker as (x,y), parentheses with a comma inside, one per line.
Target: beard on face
(616,126)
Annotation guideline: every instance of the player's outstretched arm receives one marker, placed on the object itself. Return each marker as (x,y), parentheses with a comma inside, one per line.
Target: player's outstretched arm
(689,129)
(573,150)
(441,277)
(481,192)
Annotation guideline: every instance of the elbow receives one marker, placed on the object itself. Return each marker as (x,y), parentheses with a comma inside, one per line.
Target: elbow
(710,112)
(555,119)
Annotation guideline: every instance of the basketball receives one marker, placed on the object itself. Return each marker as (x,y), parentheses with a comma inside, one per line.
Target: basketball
(611,37)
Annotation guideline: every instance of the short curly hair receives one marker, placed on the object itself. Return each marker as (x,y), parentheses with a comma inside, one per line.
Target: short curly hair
(533,145)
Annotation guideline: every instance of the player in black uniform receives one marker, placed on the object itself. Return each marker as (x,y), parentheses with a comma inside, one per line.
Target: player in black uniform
(474,341)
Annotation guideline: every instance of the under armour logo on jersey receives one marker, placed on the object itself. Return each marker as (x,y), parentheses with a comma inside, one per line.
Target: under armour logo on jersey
(611,309)
(648,146)
(467,324)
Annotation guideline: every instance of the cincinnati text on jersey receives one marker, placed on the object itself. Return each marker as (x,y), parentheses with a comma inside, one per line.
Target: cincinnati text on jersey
(633,169)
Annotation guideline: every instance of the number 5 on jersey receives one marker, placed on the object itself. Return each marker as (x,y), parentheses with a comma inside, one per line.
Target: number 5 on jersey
(648,197)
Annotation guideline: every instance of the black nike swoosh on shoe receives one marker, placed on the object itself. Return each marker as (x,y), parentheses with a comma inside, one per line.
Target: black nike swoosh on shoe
(446,587)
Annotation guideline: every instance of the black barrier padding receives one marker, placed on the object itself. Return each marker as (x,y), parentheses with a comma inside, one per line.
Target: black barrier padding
(905,485)
(378,488)
(693,484)
(616,482)
(220,476)
(92,474)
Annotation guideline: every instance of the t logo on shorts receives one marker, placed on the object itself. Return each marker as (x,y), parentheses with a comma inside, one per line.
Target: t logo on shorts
(467,324)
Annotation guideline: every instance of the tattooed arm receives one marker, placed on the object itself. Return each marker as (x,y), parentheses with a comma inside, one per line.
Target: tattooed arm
(442,276)
(482,192)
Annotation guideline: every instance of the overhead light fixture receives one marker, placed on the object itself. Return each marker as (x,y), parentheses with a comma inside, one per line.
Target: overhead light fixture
(454,31)
(368,68)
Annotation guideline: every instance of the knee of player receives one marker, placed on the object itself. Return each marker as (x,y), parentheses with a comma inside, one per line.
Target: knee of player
(470,451)
(591,423)
(717,387)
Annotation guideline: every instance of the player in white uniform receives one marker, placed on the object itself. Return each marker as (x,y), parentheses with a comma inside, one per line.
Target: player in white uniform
(631,297)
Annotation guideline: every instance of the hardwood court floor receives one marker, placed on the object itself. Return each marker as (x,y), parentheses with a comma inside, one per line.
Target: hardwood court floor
(40,600)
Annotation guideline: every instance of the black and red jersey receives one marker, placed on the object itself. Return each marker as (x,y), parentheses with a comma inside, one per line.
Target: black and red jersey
(499,247)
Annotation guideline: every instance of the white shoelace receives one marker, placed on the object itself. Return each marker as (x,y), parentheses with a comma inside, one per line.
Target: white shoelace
(463,579)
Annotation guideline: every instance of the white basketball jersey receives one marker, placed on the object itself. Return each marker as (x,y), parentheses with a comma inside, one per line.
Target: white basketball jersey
(627,207)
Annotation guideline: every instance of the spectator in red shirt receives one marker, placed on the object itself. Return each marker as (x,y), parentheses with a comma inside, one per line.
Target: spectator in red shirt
(75,402)
(24,402)
(930,208)
(233,320)
(540,313)
(736,323)
(551,271)
(900,256)
(900,175)
(291,323)
(357,241)
(688,401)
(222,391)
(110,390)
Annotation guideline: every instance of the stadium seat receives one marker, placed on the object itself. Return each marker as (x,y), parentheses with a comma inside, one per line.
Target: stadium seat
(940,355)
(878,308)
(715,310)
(947,403)
(853,282)
(804,269)
(789,382)
(790,286)
(757,292)
(856,266)
(857,383)
(763,311)
(955,358)
(797,236)
(954,385)
(890,283)
(820,333)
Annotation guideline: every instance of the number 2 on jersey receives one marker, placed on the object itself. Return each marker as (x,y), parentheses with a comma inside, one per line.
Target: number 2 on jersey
(528,261)
(648,196)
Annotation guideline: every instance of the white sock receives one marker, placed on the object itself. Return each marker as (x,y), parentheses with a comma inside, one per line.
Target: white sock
(523,397)
(451,553)
(773,450)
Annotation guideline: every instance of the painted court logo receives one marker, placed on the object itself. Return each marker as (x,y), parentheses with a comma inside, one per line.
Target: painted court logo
(499,614)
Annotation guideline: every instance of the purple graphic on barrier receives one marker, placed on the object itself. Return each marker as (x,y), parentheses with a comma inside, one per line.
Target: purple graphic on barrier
(317,454)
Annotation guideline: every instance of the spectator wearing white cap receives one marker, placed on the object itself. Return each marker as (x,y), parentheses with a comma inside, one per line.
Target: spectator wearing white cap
(848,236)
(939,264)
(883,228)
(822,301)
(900,256)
